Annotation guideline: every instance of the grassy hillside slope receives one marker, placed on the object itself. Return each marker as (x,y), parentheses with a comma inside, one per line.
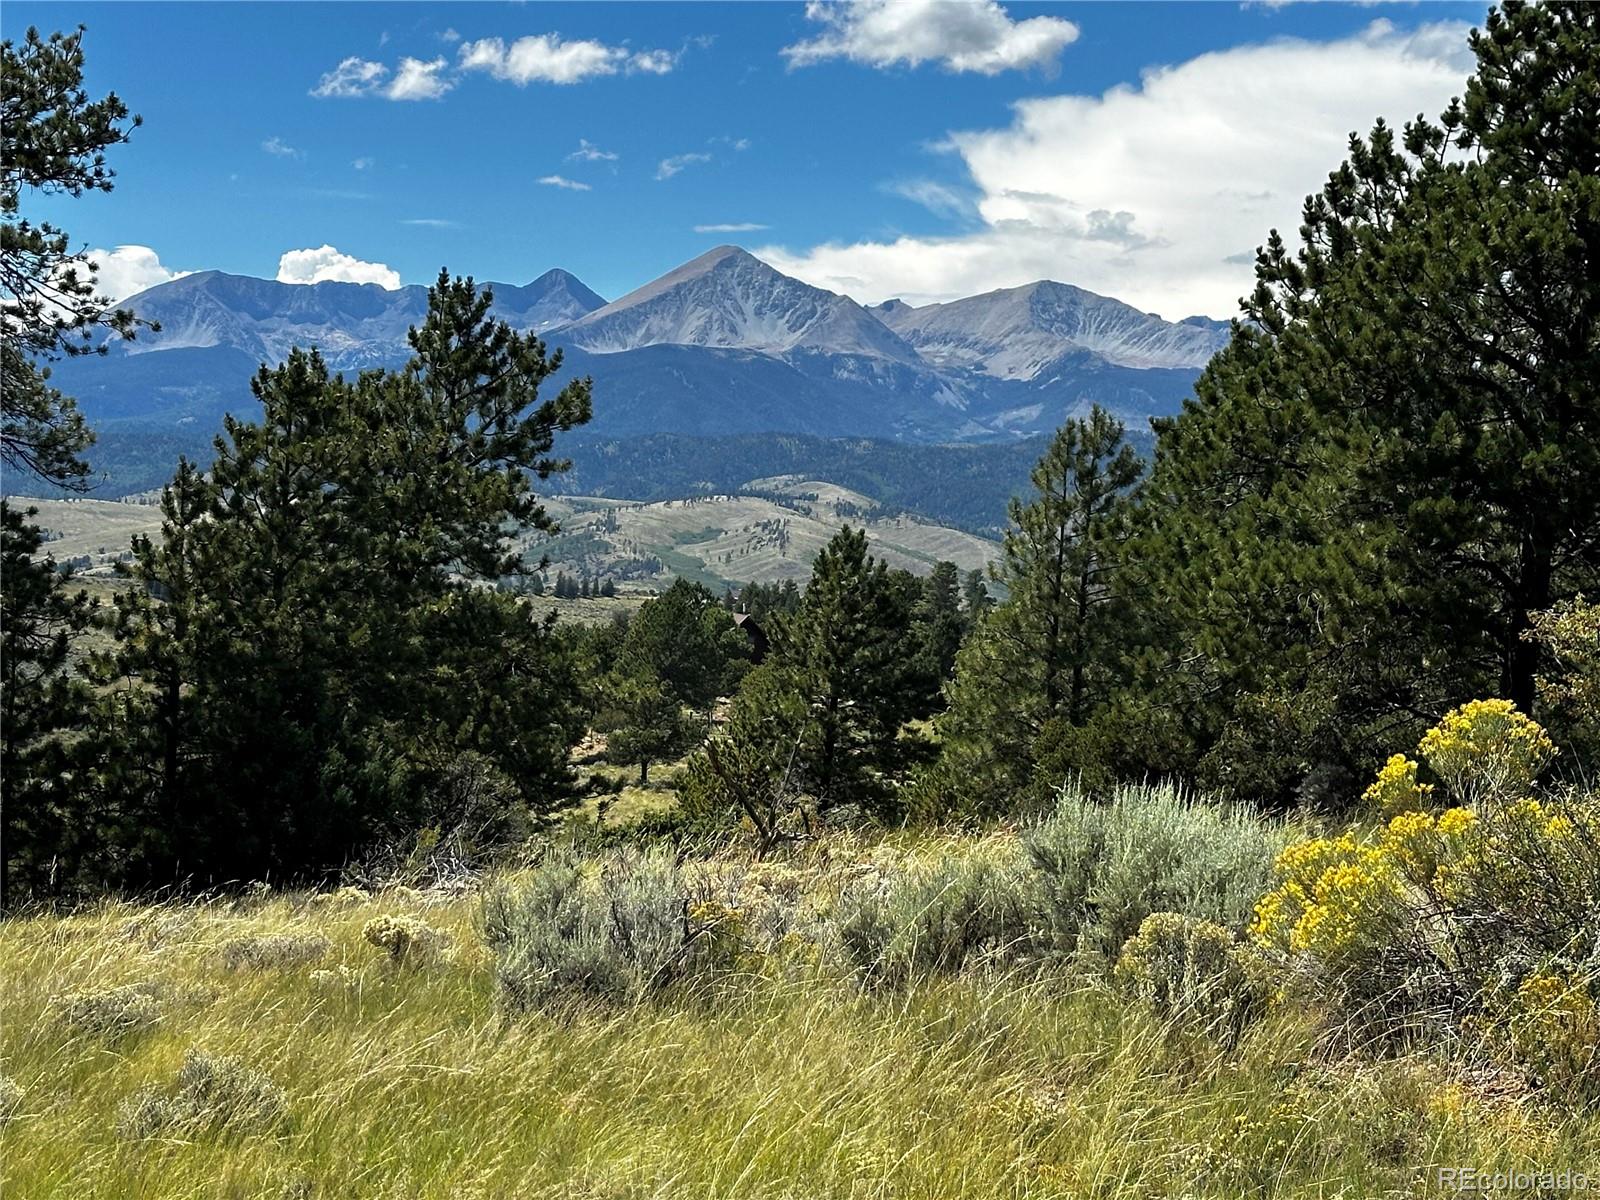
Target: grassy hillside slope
(790,1081)
(768,533)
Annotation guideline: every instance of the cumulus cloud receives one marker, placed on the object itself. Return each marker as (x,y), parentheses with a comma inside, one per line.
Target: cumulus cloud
(735,227)
(547,58)
(279,148)
(561,181)
(418,80)
(414,79)
(1155,193)
(364,163)
(128,270)
(587,151)
(325,264)
(960,35)
(352,77)
(668,167)
(653,62)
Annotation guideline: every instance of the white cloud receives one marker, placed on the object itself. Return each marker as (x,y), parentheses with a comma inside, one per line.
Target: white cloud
(735,227)
(561,181)
(938,198)
(431,222)
(1156,193)
(587,151)
(352,77)
(653,62)
(960,35)
(364,163)
(546,58)
(279,148)
(326,264)
(418,80)
(449,35)
(128,270)
(414,79)
(668,167)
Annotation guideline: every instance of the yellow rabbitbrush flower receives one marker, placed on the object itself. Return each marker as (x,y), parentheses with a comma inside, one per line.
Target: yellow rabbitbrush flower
(1487,752)
(1355,908)
(1396,789)
(1412,841)
(1334,897)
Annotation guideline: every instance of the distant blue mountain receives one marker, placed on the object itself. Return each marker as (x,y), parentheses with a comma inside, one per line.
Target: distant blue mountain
(723,345)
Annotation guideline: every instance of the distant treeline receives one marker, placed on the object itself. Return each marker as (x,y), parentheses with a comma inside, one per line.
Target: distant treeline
(967,487)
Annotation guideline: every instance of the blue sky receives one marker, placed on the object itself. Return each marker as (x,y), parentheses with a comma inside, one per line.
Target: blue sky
(921,148)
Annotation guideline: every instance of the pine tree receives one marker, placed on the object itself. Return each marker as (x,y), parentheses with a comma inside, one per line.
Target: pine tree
(819,720)
(685,640)
(53,139)
(938,626)
(40,703)
(1397,460)
(310,638)
(650,724)
(975,598)
(1050,656)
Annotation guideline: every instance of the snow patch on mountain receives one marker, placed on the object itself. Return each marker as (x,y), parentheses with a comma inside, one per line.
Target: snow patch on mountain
(354,325)
(1016,333)
(729,298)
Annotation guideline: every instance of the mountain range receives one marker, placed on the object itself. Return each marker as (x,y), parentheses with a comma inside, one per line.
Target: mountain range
(723,345)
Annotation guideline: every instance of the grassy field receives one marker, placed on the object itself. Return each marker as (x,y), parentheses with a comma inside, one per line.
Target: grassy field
(786,1083)
(714,540)
(97,529)
(747,538)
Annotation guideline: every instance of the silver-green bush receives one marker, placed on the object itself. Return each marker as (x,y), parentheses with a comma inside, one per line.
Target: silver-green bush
(274,951)
(1106,865)
(1192,972)
(11,1096)
(212,1094)
(112,1013)
(939,917)
(612,931)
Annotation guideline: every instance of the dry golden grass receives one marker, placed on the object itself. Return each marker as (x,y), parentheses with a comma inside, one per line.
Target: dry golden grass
(408,1081)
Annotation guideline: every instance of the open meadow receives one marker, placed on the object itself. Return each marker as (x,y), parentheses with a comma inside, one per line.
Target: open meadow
(752,1035)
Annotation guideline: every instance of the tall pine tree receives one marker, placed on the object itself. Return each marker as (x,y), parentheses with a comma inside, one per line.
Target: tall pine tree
(310,646)
(1048,657)
(1397,461)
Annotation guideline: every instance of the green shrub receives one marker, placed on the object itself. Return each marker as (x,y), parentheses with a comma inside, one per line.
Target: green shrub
(212,1094)
(614,930)
(1475,922)
(112,1013)
(1107,865)
(939,917)
(1192,972)
(274,951)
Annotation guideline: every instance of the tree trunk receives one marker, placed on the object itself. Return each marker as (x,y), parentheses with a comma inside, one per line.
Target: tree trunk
(1535,588)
